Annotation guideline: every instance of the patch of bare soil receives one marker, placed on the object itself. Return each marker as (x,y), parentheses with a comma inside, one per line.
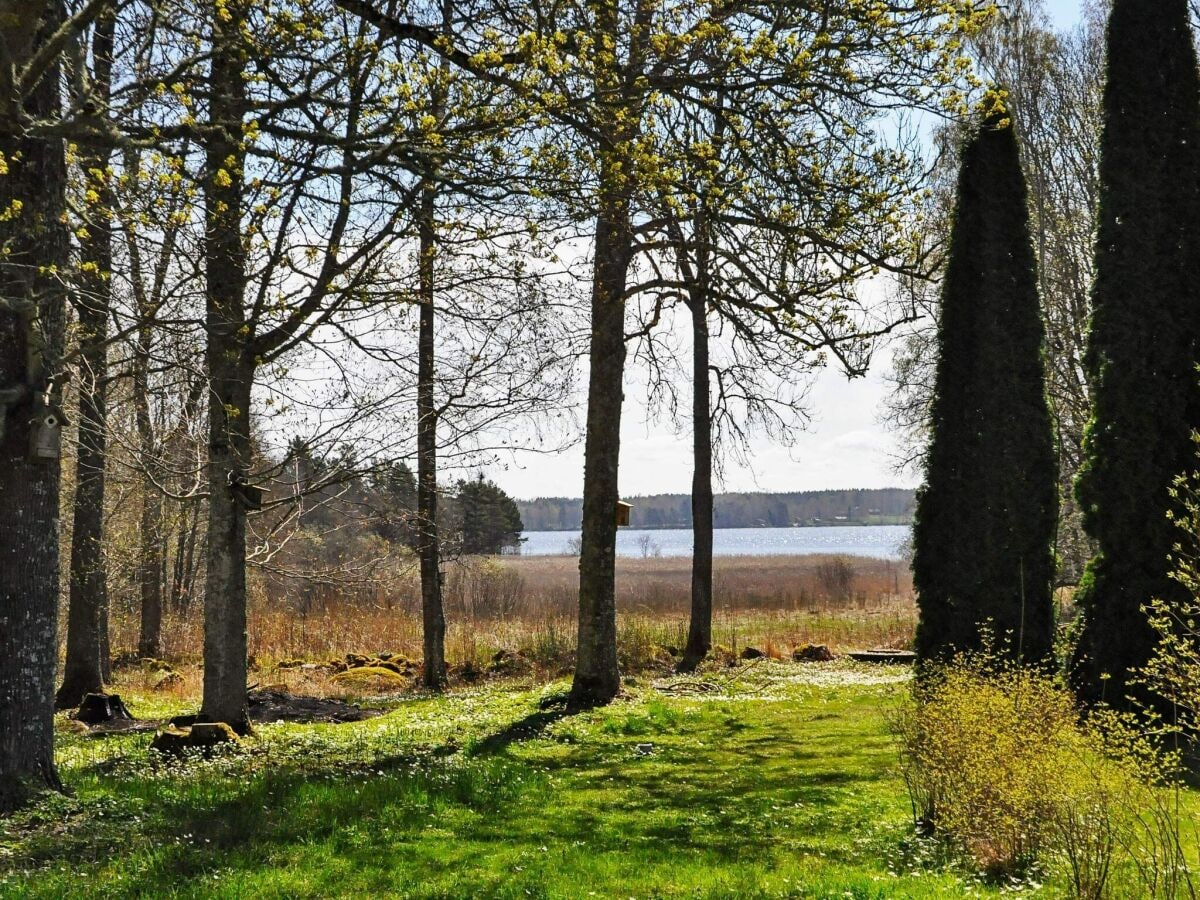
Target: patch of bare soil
(274,705)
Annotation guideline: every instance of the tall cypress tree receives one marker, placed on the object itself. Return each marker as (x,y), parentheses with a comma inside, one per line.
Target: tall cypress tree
(984,530)
(1142,346)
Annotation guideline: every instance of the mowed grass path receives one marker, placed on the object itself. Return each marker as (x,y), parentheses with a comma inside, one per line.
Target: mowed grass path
(781,783)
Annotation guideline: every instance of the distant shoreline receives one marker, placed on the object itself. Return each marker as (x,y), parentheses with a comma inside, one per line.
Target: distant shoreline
(737,527)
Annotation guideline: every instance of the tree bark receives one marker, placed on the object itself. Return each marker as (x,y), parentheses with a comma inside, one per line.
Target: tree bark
(86,665)
(83,669)
(231,371)
(597,677)
(32,324)
(150,533)
(700,625)
(183,574)
(433,616)
(225,666)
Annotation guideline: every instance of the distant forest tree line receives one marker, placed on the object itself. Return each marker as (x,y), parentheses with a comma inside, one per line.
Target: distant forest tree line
(887,506)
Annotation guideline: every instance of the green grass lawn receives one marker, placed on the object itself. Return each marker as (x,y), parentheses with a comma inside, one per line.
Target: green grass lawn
(781,783)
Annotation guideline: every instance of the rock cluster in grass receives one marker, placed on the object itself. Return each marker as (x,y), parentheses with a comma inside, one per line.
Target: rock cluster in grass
(392,662)
(383,672)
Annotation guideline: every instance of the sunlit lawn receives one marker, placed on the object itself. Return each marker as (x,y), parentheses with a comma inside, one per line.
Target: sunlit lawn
(780,783)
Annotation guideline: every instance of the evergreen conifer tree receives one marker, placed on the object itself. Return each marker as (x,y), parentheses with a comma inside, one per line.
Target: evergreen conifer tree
(986,516)
(1142,345)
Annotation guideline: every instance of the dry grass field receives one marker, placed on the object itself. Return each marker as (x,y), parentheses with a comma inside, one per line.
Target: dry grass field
(526,605)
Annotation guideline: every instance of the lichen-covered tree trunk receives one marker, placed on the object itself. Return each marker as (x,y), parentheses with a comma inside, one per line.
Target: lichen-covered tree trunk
(231,371)
(433,618)
(700,623)
(32,317)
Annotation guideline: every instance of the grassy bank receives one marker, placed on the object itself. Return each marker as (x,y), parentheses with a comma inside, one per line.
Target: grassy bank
(769,780)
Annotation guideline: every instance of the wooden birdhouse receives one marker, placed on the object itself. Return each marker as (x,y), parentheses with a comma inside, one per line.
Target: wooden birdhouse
(45,433)
(249,495)
(623,510)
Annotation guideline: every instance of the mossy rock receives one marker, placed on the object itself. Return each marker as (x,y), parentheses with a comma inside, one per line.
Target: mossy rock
(202,736)
(165,680)
(812,653)
(508,662)
(468,672)
(371,676)
(289,664)
(400,667)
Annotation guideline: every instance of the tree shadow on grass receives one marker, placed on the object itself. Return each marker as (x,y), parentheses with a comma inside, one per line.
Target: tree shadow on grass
(524,729)
(726,791)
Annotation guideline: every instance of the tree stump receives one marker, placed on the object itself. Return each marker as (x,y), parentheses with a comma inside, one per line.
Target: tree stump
(97,709)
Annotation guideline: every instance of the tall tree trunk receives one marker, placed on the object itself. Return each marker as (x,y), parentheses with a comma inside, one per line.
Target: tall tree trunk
(85,667)
(185,552)
(150,537)
(83,670)
(597,677)
(150,573)
(183,570)
(32,324)
(191,568)
(225,666)
(700,625)
(432,612)
(231,372)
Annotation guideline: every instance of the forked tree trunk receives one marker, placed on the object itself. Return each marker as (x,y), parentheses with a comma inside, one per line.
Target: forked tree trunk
(433,617)
(32,319)
(597,677)
(700,624)
(231,372)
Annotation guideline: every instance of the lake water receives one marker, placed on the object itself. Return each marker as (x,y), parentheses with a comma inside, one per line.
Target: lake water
(880,541)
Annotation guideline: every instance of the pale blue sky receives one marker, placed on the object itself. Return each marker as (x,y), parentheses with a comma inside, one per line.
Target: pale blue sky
(1065,12)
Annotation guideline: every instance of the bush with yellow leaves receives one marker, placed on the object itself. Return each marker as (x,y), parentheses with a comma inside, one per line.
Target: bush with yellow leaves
(999,763)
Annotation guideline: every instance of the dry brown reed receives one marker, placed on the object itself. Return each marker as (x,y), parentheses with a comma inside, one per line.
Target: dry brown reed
(527,604)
